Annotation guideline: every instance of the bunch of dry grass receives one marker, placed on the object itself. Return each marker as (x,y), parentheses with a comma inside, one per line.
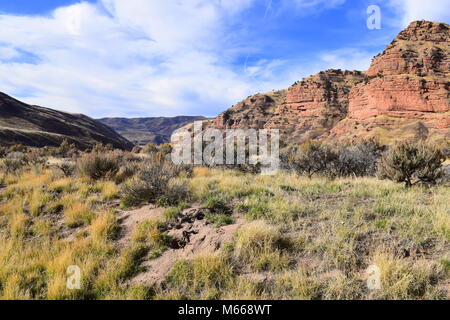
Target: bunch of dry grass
(97,166)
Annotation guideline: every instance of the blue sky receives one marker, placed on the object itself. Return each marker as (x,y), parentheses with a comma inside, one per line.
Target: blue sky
(151,57)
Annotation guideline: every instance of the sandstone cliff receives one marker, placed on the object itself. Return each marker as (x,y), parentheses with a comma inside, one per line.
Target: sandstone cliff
(404,94)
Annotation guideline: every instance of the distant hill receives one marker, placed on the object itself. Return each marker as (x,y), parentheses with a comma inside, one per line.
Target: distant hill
(142,131)
(35,126)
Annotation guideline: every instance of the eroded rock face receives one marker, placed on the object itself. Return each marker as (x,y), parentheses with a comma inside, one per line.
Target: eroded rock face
(400,96)
(409,87)
(315,105)
(308,109)
(421,49)
(404,94)
(254,112)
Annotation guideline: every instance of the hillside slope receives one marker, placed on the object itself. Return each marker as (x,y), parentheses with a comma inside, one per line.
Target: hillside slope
(35,126)
(142,131)
(404,94)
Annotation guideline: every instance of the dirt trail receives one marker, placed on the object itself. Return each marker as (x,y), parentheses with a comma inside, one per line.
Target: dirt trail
(192,233)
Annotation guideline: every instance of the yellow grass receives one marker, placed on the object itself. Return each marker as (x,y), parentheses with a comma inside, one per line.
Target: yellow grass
(302,239)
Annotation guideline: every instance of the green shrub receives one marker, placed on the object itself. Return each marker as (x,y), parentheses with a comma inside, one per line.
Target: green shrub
(9,166)
(97,166)
(66,149)
(126,171)
(136,192)
(101,148)
(217,206)
(310,158)
(174,194)
(446,149)
(2,182)
(219,220)
(13,162)
(412,163)
(150,185)
(67,167)
(18,148)
(3,152)
(149,233)
(359,160)
(258,211)
(171,214)
(128,264)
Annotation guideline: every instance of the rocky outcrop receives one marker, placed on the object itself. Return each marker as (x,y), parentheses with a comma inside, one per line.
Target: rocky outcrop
(316,104)
(404,94)
(422,49)
(254,112)
(308,109)
(399,95)
(408,89)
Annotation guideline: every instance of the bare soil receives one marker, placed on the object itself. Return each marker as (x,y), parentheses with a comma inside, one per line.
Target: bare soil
(192,235)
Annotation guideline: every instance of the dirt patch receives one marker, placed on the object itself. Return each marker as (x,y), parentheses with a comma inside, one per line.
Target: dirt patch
(192,235)
(129,220)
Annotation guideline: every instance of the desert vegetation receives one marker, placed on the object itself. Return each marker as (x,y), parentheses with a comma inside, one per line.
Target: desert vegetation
(309,232)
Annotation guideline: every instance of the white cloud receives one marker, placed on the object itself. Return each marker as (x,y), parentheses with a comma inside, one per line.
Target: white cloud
(7,53)
(303,7)
(123,57)
(315,3)
(348,59)
(141,57)
(411,10)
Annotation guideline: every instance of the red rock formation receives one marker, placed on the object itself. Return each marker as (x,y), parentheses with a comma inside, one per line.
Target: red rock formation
(421,49)
(400,95)
(313,106)
(409,84)
(405,93)
(253,112)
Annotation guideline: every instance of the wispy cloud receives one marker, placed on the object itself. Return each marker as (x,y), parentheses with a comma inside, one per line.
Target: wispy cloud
(151,57)
(348,58)
(123,56)
(410,10)
(318,3)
